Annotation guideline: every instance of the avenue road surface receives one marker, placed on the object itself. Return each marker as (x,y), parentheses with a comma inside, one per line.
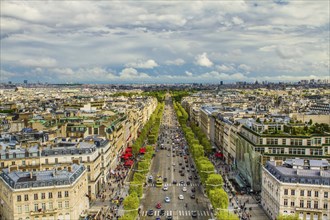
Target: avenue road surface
(166,164)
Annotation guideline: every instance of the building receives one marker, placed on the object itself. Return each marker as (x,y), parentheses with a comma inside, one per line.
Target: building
(42,195)
(296,186)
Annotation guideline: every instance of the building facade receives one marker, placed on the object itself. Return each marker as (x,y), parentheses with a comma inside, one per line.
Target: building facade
(297,186)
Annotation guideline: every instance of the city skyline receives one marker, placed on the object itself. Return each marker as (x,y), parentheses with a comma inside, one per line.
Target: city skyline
(164,42)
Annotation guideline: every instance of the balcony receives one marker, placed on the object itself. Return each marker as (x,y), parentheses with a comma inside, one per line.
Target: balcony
(43,212)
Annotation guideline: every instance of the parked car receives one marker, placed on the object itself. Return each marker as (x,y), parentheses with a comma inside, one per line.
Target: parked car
(184,189)
(167,199)
(194,214)
(181,197)
(150,212)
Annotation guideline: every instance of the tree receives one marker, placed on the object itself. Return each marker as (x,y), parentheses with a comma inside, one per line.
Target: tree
(287,217)
(226,215)
(258,120)
(139,177)
(131,202)
(310,121)
(219,199)
(213,181)
(136,187)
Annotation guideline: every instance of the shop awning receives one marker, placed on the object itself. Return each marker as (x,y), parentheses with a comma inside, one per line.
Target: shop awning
(129,163)
(218,154)
(142,150)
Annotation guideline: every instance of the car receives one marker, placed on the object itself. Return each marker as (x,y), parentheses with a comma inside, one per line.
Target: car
(159,206)
(184,189)
(182,168)
(150,177)
(192,196)
(193,190)
(181,197)
(162,212)
(173,155)
(180,171)
(174,182)
(187,165)
(182,174)
(194,214)
(188,183)
(192,166)
(196,177)
(188,170)
(168,155)
(190,177)
(167,199)
(158,218)
(165,179)
(165,188)
(180,163)
(181,182)
(150,212)
(169,217)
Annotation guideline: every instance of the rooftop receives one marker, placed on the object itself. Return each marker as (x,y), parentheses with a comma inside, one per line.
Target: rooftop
(301,171)
(21,180)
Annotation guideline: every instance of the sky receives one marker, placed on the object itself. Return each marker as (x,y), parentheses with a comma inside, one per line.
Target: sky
(164,41)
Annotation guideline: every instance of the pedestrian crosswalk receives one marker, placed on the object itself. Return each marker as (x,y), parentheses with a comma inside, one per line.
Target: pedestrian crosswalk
(178,213)
(178,184)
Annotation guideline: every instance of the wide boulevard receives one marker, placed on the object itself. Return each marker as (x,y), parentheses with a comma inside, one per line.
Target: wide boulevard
(181,179)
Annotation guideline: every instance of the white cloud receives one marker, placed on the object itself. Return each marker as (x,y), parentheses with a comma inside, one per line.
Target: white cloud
(225,68)
(42,62)
(188,73)
(237,20)
(268,48)
(149,64)
(177,62)
(203,60)
(244,67)
(287,52)
(129,73)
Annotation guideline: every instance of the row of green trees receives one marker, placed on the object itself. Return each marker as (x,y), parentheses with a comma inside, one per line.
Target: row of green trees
(132,202)
(199,146)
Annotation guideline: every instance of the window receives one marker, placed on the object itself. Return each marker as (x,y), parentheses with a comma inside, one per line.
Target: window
(27,209)
(50,195)
(285,202)
(19,198)
(317,141)
(23,162)
(19,209)
(285,191)
(293,192)
(309,142)
(292,204)
(327,140)
(36,207)
(43,206)
(36,196)
(26,197)
(325,205)
(56,160)
(284,141)
(43,195)
(296,142)
(325,194)
(59,205)
(66,204)
(66,194)
(309,193)
(13,162)
(59,195)
(316,194)
(301,204)
(302,192)
(309,204)
(316,204)
(46,161)
(50,205)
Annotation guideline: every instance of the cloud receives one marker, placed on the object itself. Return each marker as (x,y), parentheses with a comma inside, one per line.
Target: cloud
(42,62)
(203,60)
(244,67)
(225,68)
(177,62)
(188,73)
(129,73)
(237,20)
(149,64)
(287,52)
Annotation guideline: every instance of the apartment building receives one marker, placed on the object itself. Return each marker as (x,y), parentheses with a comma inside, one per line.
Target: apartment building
(296,186)
(43,195)
(259,142)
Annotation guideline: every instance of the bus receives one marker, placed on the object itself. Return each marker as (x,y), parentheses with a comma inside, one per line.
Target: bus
(159,182)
